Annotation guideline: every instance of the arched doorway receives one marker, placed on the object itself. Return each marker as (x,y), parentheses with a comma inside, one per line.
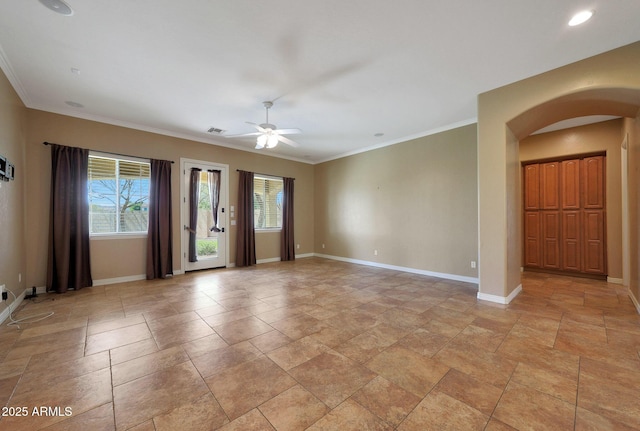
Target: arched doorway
(607,84)
(571,192)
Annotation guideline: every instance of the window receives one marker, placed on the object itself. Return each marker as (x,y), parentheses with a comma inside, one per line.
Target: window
(118,195)
(267,202)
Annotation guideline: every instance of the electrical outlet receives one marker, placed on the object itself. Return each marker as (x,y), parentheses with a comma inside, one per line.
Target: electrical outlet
(322,245)
(375,252)
(298,246)
(473,264)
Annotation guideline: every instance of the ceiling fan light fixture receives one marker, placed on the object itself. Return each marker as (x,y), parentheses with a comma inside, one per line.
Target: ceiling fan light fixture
(272,141)
(261,142)
(268,135)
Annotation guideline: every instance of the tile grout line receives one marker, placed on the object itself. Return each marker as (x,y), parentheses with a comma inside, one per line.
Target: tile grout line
(575,415)
(113,397)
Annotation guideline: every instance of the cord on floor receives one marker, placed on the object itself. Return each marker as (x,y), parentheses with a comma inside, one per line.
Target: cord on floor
(26,319)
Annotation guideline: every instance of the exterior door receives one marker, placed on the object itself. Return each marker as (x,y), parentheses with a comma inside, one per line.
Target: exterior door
(204,215)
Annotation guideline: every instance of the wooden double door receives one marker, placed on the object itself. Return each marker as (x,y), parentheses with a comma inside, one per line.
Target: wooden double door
(564,215)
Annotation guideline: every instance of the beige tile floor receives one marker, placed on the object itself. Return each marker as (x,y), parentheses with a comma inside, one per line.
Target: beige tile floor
(324,345)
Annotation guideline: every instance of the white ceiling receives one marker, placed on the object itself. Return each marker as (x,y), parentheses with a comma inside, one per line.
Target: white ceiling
(339,70)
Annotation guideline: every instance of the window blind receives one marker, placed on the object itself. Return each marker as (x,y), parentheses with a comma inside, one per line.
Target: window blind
(267,202)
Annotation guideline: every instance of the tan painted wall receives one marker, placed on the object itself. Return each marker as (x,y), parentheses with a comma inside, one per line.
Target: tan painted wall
(514,209)
(632,127)
(12,137)
(415,202)
(126,258)
(605,84)
(606,136)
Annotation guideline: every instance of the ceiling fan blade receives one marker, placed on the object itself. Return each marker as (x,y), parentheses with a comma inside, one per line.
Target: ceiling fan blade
(288,141)
(242,135)
(258,128)
(288,131)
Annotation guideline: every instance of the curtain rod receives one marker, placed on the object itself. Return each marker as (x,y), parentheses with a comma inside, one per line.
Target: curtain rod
(266,175)
(109,152)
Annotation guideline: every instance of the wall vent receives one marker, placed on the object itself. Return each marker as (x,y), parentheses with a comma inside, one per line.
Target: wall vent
(215,131)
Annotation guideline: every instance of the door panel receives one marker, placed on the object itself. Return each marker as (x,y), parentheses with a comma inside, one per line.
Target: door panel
(570,184)
(571,235)
(549,176)
(532,239)
(594,244)
(593,182)
(532,187)
(551,239)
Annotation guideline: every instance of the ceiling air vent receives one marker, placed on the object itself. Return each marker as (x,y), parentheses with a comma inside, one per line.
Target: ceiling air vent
(215,131)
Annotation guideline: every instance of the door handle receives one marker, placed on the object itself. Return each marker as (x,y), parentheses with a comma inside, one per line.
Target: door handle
(189,229)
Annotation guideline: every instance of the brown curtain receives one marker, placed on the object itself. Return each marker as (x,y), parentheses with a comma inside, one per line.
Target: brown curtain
(213,178)
(69,265)
(194,198)
(246,238)
(287,243)
(160,237)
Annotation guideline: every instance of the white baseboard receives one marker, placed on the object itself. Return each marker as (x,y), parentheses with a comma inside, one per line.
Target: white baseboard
(269,260)
(500,299)
(128,278)
(39,290)
(634,300)
(4,315)
(105,281)
(302,256)
(615,280)
(277,259)
(454,277)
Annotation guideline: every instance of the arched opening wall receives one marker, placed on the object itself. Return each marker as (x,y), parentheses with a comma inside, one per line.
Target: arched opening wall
(607,84)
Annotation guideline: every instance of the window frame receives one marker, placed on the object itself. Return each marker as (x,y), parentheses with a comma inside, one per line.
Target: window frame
(272,178)
(117,235)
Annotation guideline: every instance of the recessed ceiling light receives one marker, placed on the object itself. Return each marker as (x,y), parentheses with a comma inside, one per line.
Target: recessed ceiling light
(58,6)
(581,17)
(74,104)
(379,134)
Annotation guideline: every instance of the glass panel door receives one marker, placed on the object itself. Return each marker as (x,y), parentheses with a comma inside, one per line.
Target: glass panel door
(204,241)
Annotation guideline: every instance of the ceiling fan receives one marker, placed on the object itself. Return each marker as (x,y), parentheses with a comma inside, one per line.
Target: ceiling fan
(268,134)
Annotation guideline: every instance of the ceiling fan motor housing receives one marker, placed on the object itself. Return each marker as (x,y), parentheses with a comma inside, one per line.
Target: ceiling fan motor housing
(268,126)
